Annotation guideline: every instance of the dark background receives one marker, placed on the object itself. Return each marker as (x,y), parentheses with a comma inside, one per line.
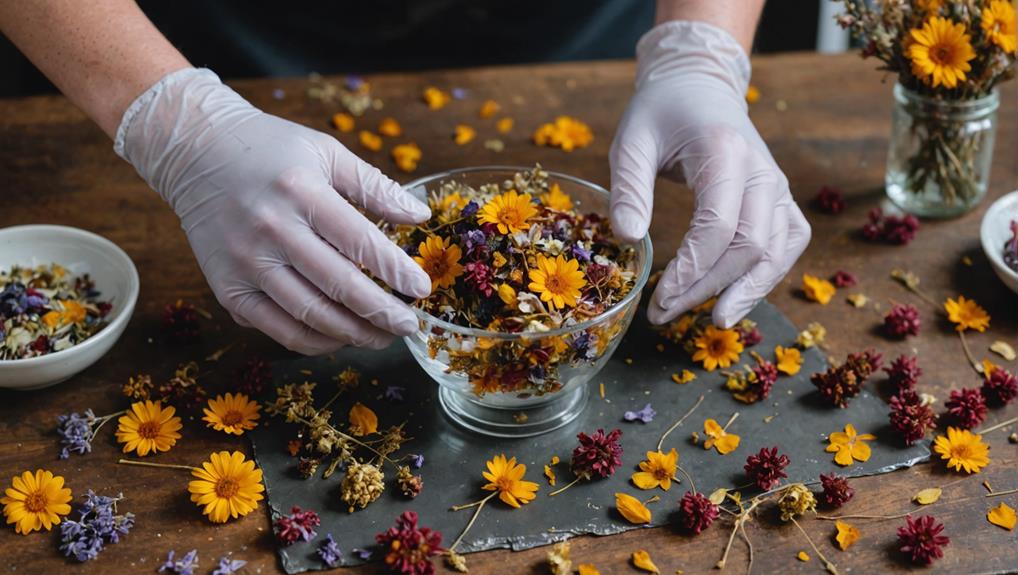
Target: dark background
(238,38)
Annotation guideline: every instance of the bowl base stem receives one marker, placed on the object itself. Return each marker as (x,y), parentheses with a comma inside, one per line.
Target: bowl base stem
(503,422)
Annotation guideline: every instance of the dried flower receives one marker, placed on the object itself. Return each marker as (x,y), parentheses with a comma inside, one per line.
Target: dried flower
(329,552)
(370,140)
(229,566)
(963,450)
(409,484)
(232,413)
(846,535)
(435,99)
(343,122)
(394,393)
(509,212)
(795,500)
(180,321)
(910,417)
(299,525)
(966,314)
(463,134)
(921,541)
(488,109)
(558,559)
(840,384)
(849,445)
(1000,387)
(440,260)
(789,359)
(566,132)
(890,229)
(818,289)
(183,566)
(77,431)
(632,509)
(557,281)
(556,199)
(183,389)
(362,484)
(998,23)
(940,52)
(766,468)
(904,372)
(696,512)
(226,486)
(830,200)
(409,547)
(719,438)
(642,561)
(657,470)
(903,320)
(363,420)
(138,387)
(843,279)
(717,347)
(504,125)
(36,501)
(597,455)
(646,415)
(506,477)
(389,127)
(813,335)
(966,407)
(98,524)
(251,376)
(685,377)
(148,427)
(836,490)
(1003,516)
(406,156)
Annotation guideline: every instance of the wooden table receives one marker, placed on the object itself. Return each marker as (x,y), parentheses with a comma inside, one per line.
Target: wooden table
(826,120)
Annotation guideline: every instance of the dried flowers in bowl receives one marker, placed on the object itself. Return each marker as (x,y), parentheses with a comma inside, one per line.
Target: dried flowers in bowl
(531,294)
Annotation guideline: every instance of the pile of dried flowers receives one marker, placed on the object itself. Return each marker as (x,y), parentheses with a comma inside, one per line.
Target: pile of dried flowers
(516,257)
(44,309)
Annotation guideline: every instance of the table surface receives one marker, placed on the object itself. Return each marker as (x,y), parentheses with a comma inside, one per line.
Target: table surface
(826,119)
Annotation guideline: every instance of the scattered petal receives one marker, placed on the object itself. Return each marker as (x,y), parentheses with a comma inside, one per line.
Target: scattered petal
(641,560)
(846,536)
(1004,350)
(857,300)
(1002,515)
(928,495)
(802,556)
(632,509)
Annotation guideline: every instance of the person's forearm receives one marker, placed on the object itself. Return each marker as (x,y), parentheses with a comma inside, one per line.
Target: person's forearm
(101,54)
(738,17)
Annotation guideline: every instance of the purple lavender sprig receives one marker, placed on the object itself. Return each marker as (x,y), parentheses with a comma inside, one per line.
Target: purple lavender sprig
(98,525)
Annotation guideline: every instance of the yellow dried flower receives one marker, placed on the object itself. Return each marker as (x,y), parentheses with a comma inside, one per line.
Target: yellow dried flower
(966,314)
(685,377)
(788,359)
(796,500)
(343,122)
(406,156)
(719,439)
(463,134)
(940,52)
(390,127)
(36,501)
(847,534)
(963,450)
(361,485)
(818,289)
(849,445)
(717,347)
(657,470)
(370,140)
(998,23)
(435,99)
(565,132)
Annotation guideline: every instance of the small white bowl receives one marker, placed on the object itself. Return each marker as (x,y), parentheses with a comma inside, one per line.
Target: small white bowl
(994,231)
(80,252)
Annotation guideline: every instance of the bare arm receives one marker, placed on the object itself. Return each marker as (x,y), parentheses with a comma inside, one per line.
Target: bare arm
(101,54)
(738,17)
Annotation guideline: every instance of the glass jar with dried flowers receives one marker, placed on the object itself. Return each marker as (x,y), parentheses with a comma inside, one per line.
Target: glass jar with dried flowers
(531,294)
(949,56)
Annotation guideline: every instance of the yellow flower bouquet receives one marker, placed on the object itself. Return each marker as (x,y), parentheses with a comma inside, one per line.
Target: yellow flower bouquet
(949,55)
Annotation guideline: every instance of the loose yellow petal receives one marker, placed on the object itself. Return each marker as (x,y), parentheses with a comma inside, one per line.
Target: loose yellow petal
(550,474)
(363,421)
(1003,515)
(632,509)
(928,496)
(847,534)
(641,560)
(718,497)
(1004,350)
(802,556)
(587,569)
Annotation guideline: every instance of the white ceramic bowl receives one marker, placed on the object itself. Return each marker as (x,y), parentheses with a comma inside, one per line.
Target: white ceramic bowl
(80,252)
(994,231)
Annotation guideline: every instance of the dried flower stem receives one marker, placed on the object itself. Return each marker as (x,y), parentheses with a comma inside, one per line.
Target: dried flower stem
(740,519)
(857,516)
(749,545)
(150,464)
(102,422)
(998,493)
(731,420)
(831,568)
(688,477)
(479,505)
(679,422)
(571,483)
(911,283)
(1004,423)
(968,354)
(352,439)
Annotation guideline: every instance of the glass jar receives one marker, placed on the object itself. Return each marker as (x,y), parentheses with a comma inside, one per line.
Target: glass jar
(938,160)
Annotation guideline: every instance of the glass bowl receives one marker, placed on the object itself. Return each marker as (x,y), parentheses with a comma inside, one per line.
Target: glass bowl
(530,382)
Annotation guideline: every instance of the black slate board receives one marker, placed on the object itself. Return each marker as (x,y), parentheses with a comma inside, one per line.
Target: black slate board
(455,458)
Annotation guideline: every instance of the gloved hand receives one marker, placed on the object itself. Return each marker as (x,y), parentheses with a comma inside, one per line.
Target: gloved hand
(268,207)
(688,121)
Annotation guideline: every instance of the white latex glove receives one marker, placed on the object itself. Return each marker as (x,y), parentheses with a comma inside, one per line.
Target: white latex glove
(268,207)
(688,121)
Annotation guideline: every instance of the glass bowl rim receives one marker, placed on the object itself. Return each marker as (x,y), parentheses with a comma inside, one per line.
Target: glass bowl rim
(640,283)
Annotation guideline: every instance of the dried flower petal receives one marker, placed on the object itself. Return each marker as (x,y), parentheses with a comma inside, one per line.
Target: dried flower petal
(646,415)
(1004,350)
(1002,515)
(802,556)
(847,534)
(641,560)
(818,289)
(632,509)
(928,495)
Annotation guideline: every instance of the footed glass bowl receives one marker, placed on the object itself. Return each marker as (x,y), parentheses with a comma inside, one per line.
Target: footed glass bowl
(525,383)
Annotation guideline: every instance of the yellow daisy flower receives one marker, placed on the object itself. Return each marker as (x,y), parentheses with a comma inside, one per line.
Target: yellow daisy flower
(556,199)
(657,471)
(440,260)
(557,281)
(940,52)
(506,477)
(998,22)
(232,413)
(966,314)
(35,501)
(963,450)
(148,427)
(818,289)
(509,211)
(718,438)
(717,347)
(849,445)
(788,359)
(226,486)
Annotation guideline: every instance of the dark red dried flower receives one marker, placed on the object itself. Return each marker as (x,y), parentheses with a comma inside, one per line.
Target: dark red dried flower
(766,469)
(837,491)
(298,525)
(1000,387)
(967,407)
(843,279)
(597,455)
(830,200)
(250,378)
(890,229)
(837,385)
(180,321)
(479,275)
(409,547)
(749,337)
(910,418)
(904,372)
(903,320)
(864,363)
(696,513)
(921,541)
(766,375)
